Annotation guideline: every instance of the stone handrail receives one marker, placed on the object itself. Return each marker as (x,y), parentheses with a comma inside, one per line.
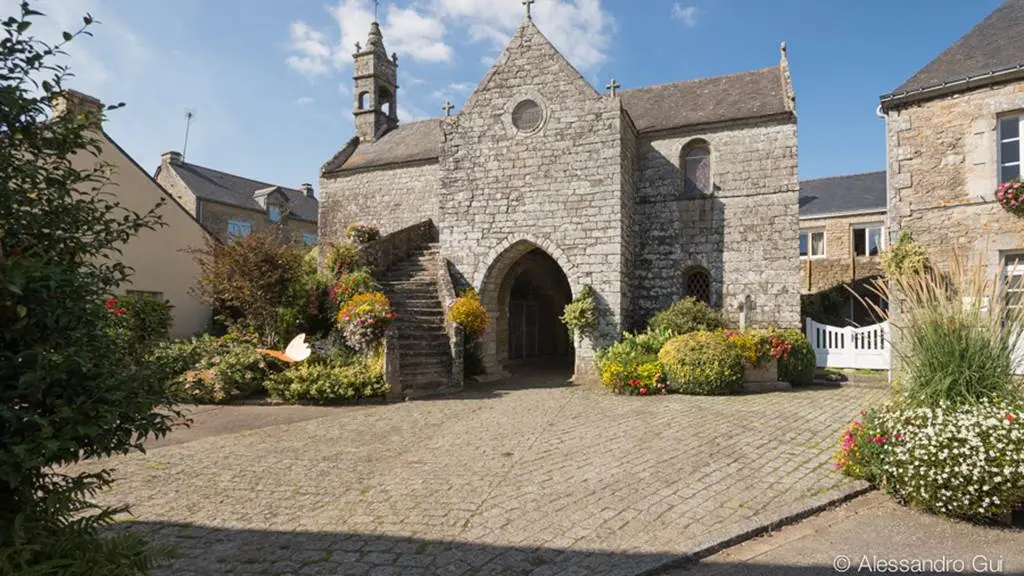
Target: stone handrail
(456,335)
(381,254)
(392,367)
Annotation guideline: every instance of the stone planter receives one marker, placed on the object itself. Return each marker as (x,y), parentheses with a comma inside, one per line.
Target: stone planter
(763,378)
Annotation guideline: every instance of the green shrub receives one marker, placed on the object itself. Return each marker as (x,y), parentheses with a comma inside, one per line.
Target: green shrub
(326,382)
(349,284)
(343,258)
(687,315)
(703,363)
(906,258)
(631,365)
(800,365)
(207,370)
(959,461)
(69,389)
(258,282)
(831,306)
(580,315)
(143,320)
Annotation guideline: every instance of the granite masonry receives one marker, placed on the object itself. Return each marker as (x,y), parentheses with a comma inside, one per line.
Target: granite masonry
(946,126)
(541,185)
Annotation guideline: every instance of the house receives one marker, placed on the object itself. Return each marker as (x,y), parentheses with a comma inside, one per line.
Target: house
(953,135)
(230,206)
(161,266)
(541,185)
(842,234)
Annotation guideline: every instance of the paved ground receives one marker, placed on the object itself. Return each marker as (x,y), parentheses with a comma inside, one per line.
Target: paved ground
(868,536)
(529,479)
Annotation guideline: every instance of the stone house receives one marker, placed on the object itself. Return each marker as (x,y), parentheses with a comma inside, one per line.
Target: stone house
(161,266)
(953,135)
(541,185)
(229,205)
(842,233)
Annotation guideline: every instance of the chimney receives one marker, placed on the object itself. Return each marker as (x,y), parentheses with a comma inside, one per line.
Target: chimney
(74,102)
(171,157)
(307,189)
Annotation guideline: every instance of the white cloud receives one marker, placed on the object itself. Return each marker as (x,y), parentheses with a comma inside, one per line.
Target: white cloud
(304,101)
(452,91)
(685,14)
(580,29)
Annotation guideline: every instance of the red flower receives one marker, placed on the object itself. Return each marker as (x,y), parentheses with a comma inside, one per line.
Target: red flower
(111,303)
(1010,417)
(643,391)
(119,312)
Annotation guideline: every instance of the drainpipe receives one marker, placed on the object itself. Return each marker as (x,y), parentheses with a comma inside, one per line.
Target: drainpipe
(888,228)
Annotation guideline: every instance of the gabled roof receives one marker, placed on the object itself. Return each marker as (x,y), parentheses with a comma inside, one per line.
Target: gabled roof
(851,194)
(412,142)
(706,100)
(983,56)
(217,186)
(757,94)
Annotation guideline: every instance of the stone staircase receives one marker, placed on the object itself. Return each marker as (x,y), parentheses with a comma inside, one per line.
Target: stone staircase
(423,344)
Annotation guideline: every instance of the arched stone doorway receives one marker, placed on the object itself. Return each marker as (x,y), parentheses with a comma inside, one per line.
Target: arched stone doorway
(525,290)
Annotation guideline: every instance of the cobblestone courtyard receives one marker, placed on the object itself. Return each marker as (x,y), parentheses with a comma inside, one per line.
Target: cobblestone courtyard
(528,480)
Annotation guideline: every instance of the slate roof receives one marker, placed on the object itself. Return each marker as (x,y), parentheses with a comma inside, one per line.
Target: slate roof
(843,194)
(217,186)
(752,94)
(705,100)
(993,45)
(410,142)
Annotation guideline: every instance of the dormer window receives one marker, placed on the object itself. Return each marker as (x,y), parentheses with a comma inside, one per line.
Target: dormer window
(274,213)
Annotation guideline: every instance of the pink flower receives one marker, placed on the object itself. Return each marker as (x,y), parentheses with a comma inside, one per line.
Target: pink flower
(1010,417)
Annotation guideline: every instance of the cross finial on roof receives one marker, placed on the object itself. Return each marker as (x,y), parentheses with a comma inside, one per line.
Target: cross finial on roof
(448,106)
(613,86)
(529,6)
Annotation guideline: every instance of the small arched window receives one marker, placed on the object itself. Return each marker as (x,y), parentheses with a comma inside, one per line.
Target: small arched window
(363,97)
(696,165)
(697,284)
(384,101)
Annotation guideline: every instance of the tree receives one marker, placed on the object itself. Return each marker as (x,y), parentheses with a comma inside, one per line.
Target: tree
(68,390)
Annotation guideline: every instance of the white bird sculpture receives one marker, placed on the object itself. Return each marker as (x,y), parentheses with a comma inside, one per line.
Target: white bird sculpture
(296,351)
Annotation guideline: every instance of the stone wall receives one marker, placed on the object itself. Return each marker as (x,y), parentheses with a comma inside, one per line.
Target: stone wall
(943,173)
(557,188)
(397,246)
(839,265)
(214,216)
(390,198)
(745,233)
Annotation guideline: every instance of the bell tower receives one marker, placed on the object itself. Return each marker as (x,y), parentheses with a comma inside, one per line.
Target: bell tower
(376,88)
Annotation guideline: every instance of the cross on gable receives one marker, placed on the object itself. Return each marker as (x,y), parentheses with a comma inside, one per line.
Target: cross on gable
(613,86)
(529,5)
(448,106)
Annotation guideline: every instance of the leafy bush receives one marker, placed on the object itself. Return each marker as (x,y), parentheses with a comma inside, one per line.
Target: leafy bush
(955,336)
(207,370)
(703,363)
(349,284)
(364,319)
(142,321)
(343,258)
(631,365)
(860,448)
(328,381)
(469,313)
(362,233)
(687,315)
(580,315)
(831,306)
(70,390)
(905,258)
(254,283)
(960,461)
(799,363)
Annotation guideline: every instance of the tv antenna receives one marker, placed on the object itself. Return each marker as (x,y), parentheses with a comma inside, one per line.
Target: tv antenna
(189,115)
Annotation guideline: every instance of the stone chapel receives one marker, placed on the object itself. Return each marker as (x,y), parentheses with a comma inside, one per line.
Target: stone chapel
(541,185)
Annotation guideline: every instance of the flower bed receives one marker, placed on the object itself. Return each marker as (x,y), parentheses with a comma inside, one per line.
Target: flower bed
(1010,196)
(364,319)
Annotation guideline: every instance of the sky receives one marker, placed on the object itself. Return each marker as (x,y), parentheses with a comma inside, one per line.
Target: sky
(269,81)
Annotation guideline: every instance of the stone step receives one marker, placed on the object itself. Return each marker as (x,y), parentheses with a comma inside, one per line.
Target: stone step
(411,331)
(434,317)
(409,285)
(409,303)
(419,364)
(420,375)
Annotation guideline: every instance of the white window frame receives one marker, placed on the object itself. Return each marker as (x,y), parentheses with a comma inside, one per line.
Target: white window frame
(810,232)
(239,228)
(274,213)
(1002,140)
(1013,265)
(863,229)
(307,235)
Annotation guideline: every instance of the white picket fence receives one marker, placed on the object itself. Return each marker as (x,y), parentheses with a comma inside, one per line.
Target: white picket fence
(850,347)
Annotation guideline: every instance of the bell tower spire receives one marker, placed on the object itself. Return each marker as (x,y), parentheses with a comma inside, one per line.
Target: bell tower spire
(376,87)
